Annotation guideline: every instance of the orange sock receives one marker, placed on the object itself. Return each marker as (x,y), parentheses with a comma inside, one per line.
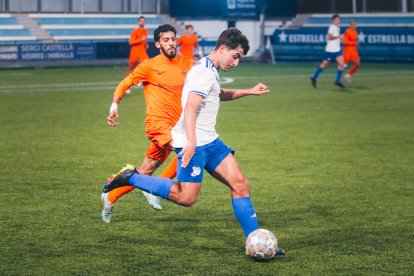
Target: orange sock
(171,170)
(353,70)
(115,194)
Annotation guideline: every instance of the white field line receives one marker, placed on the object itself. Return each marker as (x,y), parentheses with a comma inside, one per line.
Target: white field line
(226,80)
(58,87)
(93,86)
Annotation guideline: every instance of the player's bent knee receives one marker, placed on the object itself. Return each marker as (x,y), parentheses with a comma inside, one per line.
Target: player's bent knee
(186,199)
(242,188)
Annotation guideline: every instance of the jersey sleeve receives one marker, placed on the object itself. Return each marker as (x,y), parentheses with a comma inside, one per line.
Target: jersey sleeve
(145,40)
(179,41)
(333,30)
(140,73)
(199,81)
(347,39)
(136,37)
(133,38)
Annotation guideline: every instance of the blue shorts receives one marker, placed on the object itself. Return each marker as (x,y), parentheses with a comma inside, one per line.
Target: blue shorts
(205,157)
(331,56)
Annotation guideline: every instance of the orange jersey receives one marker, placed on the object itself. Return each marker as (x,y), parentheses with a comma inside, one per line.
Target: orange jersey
(163,81)
(138,39)
(187,44)
(350,38)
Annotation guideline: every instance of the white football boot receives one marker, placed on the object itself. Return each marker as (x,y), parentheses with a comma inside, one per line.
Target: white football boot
(106,214)
(154,201)
(348,78)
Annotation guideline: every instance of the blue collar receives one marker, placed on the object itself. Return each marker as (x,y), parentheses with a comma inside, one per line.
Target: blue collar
(218,69)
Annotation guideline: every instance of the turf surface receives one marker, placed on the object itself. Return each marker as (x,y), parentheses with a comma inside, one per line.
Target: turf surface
(331,175)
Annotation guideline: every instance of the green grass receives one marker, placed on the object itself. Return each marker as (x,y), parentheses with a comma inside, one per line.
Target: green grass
(331,175)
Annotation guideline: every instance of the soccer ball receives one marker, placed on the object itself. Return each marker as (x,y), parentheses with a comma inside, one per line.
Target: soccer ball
(261,244)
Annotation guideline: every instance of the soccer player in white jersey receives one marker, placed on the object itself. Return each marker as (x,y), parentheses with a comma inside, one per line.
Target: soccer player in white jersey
(195,138)
(332,52)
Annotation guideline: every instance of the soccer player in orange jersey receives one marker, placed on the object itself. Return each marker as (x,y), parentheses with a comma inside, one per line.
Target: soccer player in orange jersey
(139,44)
(163,79)
(188,41)
(350,49)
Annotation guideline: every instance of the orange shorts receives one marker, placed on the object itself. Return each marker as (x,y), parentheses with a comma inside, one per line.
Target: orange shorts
(160,136)
(350,55)
(137,56)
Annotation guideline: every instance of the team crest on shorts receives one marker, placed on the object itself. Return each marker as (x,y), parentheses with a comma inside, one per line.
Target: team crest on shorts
(196,171)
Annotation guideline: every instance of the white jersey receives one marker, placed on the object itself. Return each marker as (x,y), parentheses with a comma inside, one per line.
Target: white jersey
(202,79)
(333,46)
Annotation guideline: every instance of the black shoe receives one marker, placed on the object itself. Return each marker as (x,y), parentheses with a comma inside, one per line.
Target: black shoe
(339,84)
(313,81)
(280,251)
(120,179)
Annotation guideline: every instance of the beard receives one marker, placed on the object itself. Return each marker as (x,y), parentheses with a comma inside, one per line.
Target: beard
(169,55)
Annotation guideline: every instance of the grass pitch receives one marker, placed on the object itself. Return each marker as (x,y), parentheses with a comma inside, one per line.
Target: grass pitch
(331,175)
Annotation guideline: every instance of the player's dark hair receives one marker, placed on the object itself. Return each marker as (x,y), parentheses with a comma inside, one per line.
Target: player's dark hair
(141,17)
(189,26)
(335,16)
(163,29)
(233,38)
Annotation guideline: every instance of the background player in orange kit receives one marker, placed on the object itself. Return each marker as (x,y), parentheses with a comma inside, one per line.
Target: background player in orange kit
(139,44)
(188,41)
(163,79)
(350,49)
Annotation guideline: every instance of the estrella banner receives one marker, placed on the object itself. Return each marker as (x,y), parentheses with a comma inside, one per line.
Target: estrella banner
(375,44)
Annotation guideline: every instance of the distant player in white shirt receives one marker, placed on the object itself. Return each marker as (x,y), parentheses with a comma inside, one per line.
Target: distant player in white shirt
(195,138)
(332,52)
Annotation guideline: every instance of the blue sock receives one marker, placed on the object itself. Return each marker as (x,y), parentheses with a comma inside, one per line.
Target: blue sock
(155,185)
(317,73)
(339,75)
(245,214)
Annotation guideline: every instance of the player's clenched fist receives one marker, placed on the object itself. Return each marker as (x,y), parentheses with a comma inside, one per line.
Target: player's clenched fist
(113,113)
(260,89)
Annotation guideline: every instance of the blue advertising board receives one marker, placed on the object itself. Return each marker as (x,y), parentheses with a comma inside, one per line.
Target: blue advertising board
(56,51)
(241,9)
(375,44)
(207,46)
(48,51)
(9,52)
(219,9)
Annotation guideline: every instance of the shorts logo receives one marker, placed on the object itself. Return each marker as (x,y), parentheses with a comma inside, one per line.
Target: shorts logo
(196,171)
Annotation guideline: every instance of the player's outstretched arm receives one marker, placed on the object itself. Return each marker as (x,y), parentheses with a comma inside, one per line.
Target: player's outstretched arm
(116,99)
(113,111)
(233,94)
(198,49)
(139,74)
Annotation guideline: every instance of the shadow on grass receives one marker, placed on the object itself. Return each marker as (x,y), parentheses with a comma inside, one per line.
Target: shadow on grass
(177,233)
(345,90)
(359,87)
